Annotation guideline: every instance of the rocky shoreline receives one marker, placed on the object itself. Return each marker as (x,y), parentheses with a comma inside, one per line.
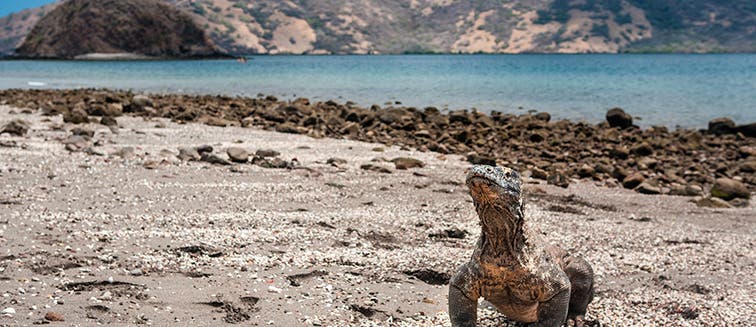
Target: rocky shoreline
(719,161)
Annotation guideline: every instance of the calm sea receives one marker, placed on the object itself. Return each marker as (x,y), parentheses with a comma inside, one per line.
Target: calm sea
(673,90)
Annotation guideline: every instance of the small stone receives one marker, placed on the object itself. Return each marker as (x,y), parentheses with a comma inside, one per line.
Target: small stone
(273,289)
(237,154)
(82,131)
(712,203)
(17,127)
(106,296)
(721,126)
(618,118)
(686,190)
(647,187)
(9,311)
(214,159)
(586,171)
(375,168)
(189,154)
(76,116)
(267,153)
(54,316)
(728,189)
(633,180)
(559,179)
(136,272)
(204,149)
(539,173)
(336,161)
(108,121)
(126,152)
(642,149)
(404,163)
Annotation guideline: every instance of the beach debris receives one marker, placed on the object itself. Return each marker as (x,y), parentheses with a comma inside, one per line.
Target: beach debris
(17,127)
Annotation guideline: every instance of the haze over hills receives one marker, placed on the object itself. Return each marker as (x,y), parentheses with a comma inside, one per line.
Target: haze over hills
(490,26)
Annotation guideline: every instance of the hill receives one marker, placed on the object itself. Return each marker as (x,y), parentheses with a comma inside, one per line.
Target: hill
(148,28)
(490,26)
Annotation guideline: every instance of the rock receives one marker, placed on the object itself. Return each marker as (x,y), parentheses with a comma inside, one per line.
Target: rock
(403,163)
(151,164)
(618,118)
(204,149)
(375,168)
(75,143)
(9,311)
(739,203)
(537,136)
(108,121)
(648,187)
(213,159)
(620,173)
(287,128)
(586,171)
(749,166)
(712,203)
(721,126)
(632,181)
(642,149)
(336,161)
(76,116)
(126,152)
(139,102)
(136,272)
(17,127)
(460,116)
(748,130)
(237,154)
(559,179)
(54,316)
(476,159)
(189,154)
(275,163)
(267,153)
(728,189)
(543,116)
(619,152)
(686,190)
(539,173)
(87,132)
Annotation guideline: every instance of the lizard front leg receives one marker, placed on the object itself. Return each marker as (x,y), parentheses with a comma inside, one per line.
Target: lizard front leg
(553,313)
(463,299)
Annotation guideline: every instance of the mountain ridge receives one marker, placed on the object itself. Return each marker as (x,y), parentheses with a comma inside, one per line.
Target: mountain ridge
(446,26)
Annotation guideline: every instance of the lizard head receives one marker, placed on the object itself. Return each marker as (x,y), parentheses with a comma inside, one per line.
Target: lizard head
(492,185)
(496,192)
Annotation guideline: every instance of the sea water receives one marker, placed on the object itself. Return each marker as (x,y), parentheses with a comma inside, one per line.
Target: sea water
(684,90)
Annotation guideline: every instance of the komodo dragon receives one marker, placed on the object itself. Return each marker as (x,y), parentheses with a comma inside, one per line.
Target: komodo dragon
(543,286)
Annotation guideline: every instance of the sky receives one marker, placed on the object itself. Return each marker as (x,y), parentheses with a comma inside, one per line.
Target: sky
(9,6)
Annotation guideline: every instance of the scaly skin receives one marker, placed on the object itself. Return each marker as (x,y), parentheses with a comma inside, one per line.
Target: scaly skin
(541,286)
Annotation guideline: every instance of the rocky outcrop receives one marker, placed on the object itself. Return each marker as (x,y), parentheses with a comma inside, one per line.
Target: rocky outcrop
(130,28)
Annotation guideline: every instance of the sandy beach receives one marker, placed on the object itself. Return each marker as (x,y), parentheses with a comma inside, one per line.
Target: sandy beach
(125,233)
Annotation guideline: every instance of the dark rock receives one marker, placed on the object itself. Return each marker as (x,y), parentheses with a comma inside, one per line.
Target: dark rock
(748,166)
(748,130)
(288,128)
(648,187)
(460,116)
(537,136)
(17,127)
(336,161)
(619,152)
(685,190)
(213,159)
(539,173)
(633,180)
(403,163)
(189,154)
(728,189)
(712,203)
(559,179)
(476,159)
(267,153)
(108,121)
(620,173)
(204,149)
(586,171)
(721,126)
(76,116)
(87,132)
(450,233)
(618,118)
(54,316)
(643,149)
(375,168)
(237,154)
(543,116)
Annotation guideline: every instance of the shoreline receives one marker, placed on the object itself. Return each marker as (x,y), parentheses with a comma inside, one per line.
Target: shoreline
(654,160)
(107,224)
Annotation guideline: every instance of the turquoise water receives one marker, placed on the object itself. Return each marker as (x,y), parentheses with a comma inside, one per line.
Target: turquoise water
(673,90)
